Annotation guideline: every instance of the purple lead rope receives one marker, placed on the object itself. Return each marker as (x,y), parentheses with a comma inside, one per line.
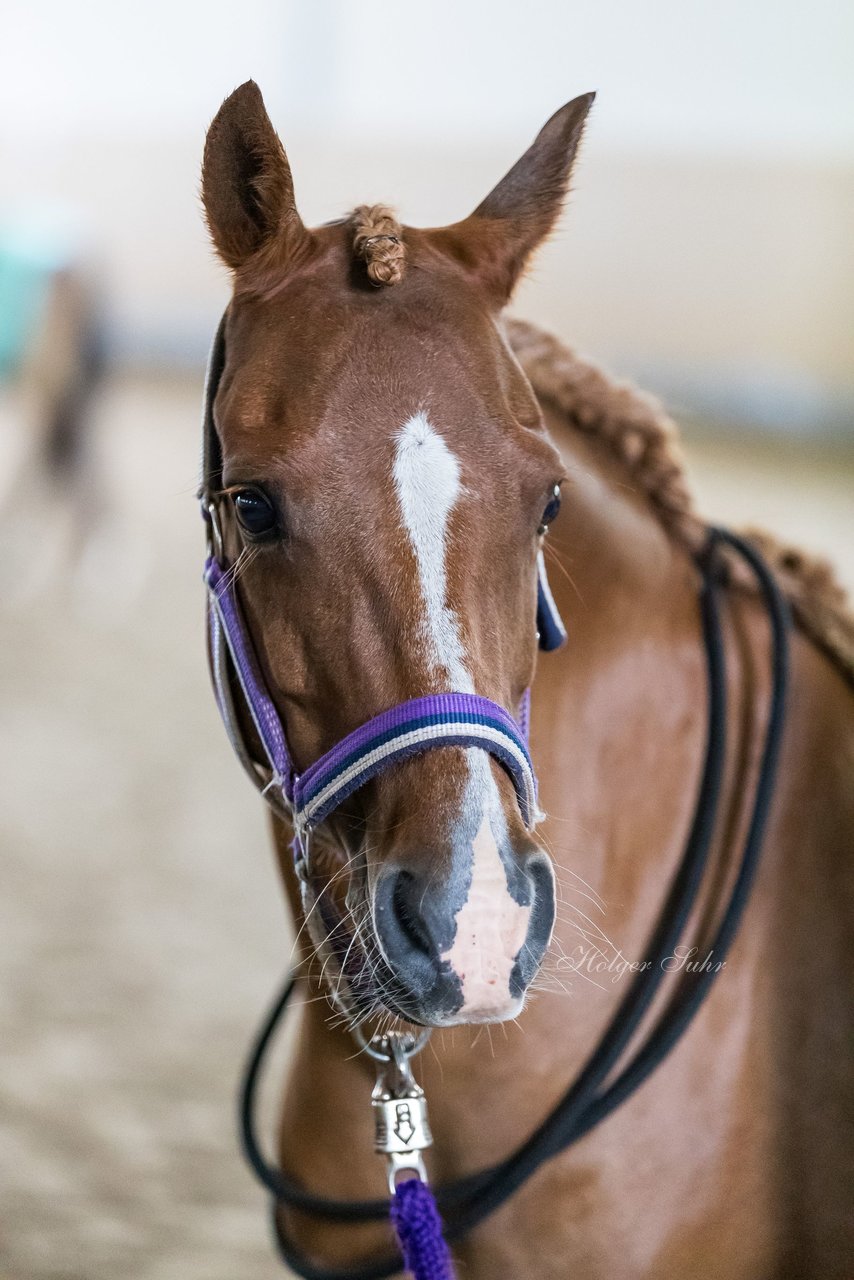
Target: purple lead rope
(419,1231)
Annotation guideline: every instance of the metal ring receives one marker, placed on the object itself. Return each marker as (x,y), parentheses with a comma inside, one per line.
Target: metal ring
(416,1043)
(214,528)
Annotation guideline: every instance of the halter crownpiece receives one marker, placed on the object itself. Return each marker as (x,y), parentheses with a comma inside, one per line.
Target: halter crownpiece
(436,720)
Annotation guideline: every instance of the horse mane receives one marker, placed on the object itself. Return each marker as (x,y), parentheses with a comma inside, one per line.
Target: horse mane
(637,430)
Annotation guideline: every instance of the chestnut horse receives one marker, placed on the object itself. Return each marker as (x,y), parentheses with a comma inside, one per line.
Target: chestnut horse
(388,472)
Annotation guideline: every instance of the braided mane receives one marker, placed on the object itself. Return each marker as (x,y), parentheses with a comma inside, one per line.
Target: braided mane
(639,432)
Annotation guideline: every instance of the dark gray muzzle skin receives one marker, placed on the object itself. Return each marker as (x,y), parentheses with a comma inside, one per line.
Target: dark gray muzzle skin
(415,922)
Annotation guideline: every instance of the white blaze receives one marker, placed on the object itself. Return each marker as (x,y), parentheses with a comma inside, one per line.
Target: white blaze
(491,931)
(427,480)
(491,926)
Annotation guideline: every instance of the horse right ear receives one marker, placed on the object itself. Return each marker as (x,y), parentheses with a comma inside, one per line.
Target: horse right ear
(247,188)
(495,243)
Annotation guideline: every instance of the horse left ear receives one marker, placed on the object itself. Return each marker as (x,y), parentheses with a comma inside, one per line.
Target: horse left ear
(495,242)
(247,188)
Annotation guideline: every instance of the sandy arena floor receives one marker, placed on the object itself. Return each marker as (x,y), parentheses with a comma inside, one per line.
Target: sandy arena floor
(141,930)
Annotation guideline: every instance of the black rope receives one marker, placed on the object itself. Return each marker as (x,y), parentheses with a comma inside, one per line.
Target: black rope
(468,1201)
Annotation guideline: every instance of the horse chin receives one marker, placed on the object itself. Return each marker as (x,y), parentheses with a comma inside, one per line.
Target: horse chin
(469,1018)
(480,1017)
(440,1013)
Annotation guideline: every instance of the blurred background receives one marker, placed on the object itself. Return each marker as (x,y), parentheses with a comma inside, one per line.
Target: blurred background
(707,252)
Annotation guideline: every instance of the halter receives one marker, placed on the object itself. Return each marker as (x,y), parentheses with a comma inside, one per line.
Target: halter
(607,1079)
(422,724)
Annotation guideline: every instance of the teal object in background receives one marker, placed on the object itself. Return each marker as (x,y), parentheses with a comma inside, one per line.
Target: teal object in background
(29,257)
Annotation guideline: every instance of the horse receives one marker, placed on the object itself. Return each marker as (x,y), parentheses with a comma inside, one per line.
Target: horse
(394,457)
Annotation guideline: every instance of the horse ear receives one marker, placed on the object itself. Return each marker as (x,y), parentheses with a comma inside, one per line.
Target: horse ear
(247,188)
(496,241)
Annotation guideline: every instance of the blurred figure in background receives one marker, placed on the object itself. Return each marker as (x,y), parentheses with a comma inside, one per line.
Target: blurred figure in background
(49,370)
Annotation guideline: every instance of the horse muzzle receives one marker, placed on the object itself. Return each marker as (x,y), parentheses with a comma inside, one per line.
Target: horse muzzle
(465,949)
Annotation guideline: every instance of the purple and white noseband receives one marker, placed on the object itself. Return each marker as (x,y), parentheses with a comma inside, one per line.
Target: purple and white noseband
(395,734)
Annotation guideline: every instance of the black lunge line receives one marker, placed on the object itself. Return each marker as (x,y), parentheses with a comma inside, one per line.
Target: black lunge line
(468,1201)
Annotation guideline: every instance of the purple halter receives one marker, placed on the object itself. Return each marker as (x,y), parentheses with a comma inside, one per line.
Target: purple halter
(422,724)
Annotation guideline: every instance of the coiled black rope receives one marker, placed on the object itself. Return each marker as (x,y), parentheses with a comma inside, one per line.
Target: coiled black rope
(468,1201)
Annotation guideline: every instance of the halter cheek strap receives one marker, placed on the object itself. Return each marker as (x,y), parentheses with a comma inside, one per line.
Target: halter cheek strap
(422,724)
(231,651)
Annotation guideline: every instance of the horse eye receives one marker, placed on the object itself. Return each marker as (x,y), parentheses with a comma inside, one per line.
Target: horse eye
(551,511)
(255,512)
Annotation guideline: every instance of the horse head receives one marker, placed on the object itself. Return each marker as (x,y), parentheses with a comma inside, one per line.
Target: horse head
(386,481)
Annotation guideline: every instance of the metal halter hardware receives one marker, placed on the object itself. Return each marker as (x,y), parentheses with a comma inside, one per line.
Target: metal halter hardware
(421,724)
(401,1128)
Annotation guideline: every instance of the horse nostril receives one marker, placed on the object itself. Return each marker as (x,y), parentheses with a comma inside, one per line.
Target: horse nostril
(541,876)
(404,901)
(404,935)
